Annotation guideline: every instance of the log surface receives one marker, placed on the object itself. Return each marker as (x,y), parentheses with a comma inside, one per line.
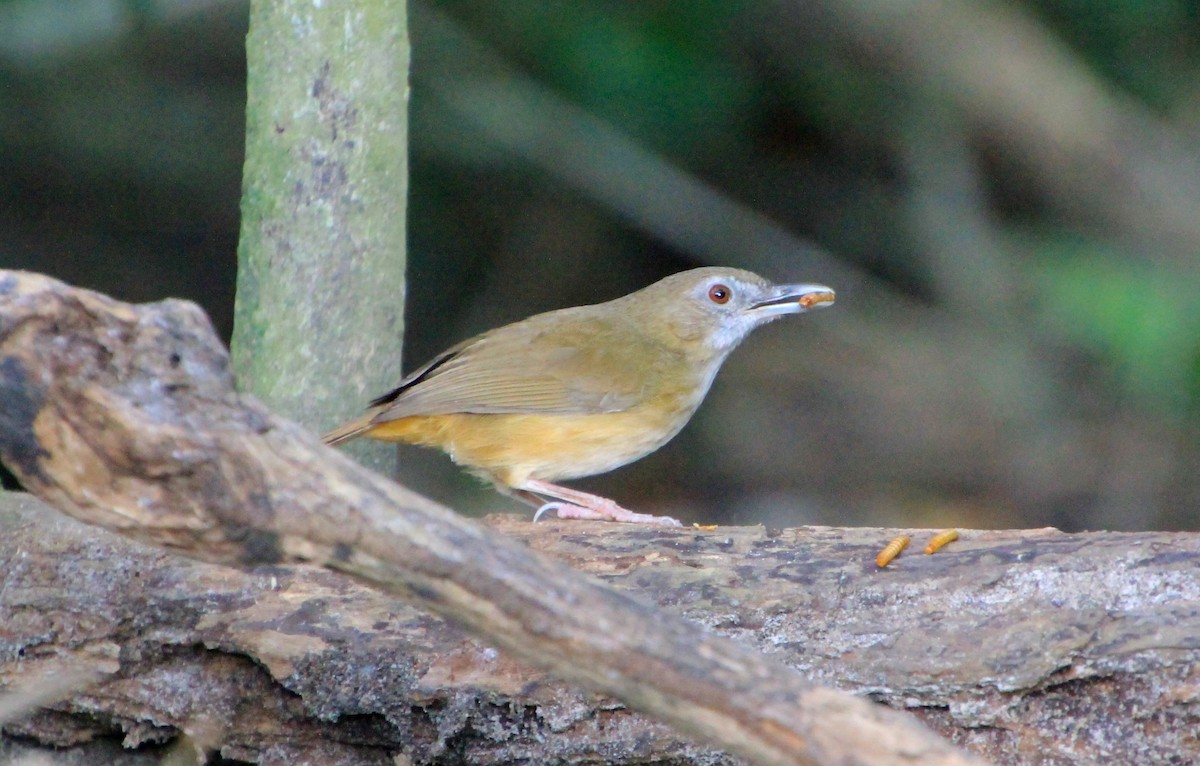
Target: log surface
(1027,647)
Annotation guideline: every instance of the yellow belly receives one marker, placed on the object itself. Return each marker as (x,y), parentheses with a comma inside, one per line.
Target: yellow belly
(512,448)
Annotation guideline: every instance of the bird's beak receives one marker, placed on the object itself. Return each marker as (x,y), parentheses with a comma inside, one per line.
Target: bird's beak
(794,299)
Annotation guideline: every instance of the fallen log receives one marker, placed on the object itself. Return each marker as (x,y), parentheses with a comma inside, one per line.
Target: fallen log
(126,417)
(1026,647)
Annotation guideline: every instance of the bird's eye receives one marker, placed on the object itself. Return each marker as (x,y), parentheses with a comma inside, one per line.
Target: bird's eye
(719,294)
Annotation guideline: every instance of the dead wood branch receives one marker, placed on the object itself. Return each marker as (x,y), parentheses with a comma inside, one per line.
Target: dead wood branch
(126,417)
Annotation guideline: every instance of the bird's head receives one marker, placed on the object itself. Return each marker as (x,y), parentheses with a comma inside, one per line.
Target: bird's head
(709,311)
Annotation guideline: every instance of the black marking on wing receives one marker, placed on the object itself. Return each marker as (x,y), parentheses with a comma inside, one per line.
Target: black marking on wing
(421,375)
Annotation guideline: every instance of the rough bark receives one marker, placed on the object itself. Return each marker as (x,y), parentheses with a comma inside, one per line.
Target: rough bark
(1028,647)
(126,417)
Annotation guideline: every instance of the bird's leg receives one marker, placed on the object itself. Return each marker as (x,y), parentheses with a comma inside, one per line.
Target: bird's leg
(573,504)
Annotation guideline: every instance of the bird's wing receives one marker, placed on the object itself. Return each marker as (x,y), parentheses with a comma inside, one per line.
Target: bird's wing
(538,366)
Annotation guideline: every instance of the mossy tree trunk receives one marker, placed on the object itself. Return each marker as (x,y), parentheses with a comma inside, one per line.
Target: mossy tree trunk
(320,291)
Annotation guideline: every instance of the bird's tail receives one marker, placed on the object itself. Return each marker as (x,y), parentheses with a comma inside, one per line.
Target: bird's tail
(352,430)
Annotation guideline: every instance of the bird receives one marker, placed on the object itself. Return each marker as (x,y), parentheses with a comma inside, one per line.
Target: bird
(580,391)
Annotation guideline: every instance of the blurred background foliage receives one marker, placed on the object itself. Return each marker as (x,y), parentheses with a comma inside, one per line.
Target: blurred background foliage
(1005,195)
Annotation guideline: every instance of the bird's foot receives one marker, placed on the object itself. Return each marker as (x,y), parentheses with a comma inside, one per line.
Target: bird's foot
(573,504)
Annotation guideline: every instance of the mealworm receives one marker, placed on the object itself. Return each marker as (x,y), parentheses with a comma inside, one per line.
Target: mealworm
(941,540)
(892,551)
